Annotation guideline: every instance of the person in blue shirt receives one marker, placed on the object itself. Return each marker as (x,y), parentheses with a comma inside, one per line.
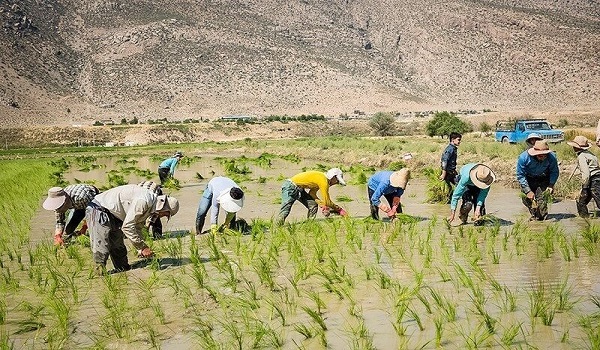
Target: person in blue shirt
(537,172)
(473,187)
(391,186)
(166,169)
(448,162)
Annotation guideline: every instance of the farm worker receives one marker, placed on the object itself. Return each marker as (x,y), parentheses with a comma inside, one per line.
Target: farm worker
(221,192)
(390,185)
(532,138)
(122,212)
(473,188)
(448,162)
(537,172)
(590,175)
(75,197)
(153,222)
(166,169)
(295,189)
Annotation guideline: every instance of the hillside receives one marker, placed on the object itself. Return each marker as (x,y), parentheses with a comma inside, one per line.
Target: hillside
(70,61)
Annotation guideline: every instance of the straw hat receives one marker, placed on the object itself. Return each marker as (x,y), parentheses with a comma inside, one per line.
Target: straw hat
(540,147)
(400,178)
(482,176)
(580,142)
(56,198)
(231,200)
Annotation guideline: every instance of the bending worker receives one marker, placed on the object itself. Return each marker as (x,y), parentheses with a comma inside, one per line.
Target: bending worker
(390,185)
(295,189)
(220,192)
(122,212)
(166,169)
(75,197)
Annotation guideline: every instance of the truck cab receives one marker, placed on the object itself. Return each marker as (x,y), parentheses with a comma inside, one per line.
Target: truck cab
(517,130)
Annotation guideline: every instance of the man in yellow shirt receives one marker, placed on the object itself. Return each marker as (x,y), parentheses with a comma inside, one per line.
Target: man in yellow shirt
(294,189)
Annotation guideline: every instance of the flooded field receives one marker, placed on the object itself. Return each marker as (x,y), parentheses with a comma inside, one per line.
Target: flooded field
(339,283)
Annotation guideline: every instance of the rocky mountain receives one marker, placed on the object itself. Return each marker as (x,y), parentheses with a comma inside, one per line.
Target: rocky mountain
(74,61)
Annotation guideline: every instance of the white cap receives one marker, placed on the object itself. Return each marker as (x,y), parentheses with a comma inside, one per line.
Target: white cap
(336,172)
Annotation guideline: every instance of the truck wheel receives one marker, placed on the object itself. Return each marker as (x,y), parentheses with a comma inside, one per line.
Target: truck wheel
(505,139)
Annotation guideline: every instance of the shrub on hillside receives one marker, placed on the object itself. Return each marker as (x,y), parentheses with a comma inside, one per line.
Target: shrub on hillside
(384,124)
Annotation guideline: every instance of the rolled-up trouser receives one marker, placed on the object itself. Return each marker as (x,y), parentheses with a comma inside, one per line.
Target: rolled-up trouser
(106,237)
(163,174)
(291,193)
(539,208)
(375,209)
(587,194)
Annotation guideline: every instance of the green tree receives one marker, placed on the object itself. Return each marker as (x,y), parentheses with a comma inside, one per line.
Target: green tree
(443,123)
(384,124)
(485,128)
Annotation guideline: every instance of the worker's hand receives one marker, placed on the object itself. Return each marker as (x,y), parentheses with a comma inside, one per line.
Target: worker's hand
(342,212)
(392,213)
(530,195)
(146,253)
(442,177)
(396,202)
(58,240)
(451,217)
(214,229)
(83,230)
(550,190)
(326,211)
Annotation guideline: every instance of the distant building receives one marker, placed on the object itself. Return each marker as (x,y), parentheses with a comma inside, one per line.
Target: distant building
(234,118)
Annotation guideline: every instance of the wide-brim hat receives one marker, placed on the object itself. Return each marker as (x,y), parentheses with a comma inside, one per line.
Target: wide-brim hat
(400,178)
(540,147)
(533,136)
(482,176)
(580,142)
(164,202)
(229,204)
(56,198)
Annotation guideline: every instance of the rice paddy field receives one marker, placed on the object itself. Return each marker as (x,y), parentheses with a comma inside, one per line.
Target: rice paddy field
(417,282)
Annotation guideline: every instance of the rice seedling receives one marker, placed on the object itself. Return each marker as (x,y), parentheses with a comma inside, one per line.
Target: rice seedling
(277,310)
(591,232)
(425,302)
(563,296)
(416,317)
(263,270)
(476,338)
(306,331)
(438,322)
(510,334)
(399,312)
(317,317)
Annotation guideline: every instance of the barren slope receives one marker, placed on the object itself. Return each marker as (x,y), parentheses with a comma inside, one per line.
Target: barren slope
(67,62)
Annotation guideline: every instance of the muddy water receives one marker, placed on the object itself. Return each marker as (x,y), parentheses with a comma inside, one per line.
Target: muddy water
(518,272)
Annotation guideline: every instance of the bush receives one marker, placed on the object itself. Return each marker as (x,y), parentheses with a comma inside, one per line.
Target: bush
(443,123)
(384,124)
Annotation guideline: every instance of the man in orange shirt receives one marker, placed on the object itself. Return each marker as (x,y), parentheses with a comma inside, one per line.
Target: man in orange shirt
(294,189)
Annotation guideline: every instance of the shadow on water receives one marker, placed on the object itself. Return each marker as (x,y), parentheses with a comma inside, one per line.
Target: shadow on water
(560,216)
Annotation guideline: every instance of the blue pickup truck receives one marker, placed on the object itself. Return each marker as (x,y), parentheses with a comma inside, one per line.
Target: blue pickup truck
(515,131)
